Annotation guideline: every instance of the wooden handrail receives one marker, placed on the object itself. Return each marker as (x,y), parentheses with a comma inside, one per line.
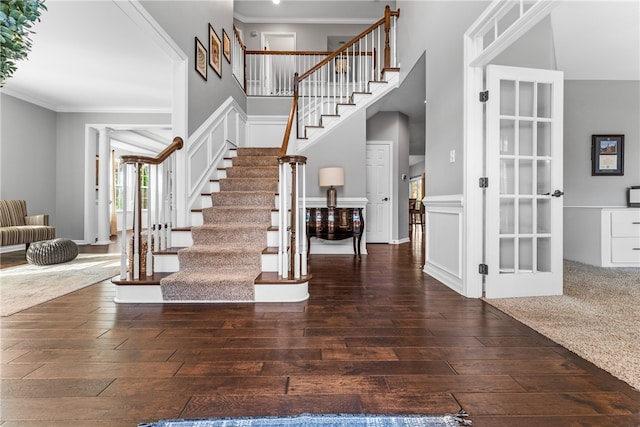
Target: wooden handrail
(176,145)
(299,52)
(385,20)
(237,34)
(292,114)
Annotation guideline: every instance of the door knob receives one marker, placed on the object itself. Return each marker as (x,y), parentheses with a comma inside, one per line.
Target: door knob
(385,199)
(557,193)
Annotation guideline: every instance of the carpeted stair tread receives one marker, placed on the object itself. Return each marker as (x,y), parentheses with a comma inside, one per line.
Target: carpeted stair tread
(243,198)
(237,215)
(230,234)
(255,161)
(208,284)
(241,258)
(249,184)
(252,172)
(226,256)
(258,151)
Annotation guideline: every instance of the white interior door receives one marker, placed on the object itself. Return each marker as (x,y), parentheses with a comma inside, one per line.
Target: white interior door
(524,120)
(377,222)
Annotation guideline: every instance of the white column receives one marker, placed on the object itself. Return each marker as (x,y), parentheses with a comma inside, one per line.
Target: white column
(104,160)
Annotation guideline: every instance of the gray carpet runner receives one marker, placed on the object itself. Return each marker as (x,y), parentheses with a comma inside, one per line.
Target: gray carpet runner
(226,256)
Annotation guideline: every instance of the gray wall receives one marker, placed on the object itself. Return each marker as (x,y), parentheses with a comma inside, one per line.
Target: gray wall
(595,108)
(70,168)
(27,156)
(437,27)
(344,146)
(185,20)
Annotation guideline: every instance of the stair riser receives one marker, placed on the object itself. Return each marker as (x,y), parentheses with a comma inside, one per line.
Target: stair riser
(243,199)
(240,261)
(255,161)
(230,237)
(169,263)
(258,151)
(252,172)
(221,215)
(197,218)
(243,184)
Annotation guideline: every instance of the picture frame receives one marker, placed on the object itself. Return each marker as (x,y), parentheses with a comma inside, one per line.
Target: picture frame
(607,155)
(633,196)
(215,51)
(226,46)
(201,59)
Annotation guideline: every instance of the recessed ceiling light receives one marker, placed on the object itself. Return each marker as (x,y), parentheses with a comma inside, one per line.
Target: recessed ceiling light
(276,1)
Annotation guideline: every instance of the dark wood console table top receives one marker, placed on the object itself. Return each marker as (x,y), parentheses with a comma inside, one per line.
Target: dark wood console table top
(335,224)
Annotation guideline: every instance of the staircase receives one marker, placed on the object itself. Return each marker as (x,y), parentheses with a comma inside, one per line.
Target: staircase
(230,256)
(238,242)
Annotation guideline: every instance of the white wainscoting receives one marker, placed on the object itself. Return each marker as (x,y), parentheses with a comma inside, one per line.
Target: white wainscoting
(209,144)
(444,240)
(268,131)
(319,246)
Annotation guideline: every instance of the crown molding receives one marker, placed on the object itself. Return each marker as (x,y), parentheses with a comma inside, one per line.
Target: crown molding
(301,20)
(28,98)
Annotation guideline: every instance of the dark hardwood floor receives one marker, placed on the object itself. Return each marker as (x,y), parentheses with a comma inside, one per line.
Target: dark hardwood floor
(376,336)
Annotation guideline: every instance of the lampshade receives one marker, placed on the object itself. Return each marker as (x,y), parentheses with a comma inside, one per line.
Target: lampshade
(328,177)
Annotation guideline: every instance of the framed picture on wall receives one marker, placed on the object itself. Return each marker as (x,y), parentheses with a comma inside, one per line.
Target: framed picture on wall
(201,59)
(226,46)
(215,51)
(607,155)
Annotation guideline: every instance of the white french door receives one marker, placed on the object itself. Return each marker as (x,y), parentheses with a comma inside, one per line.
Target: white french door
(524,143)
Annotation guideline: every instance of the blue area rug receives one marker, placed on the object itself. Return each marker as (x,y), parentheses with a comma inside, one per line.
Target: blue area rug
(309,420)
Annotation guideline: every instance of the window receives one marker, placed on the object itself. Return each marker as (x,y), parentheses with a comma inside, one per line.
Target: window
(119,184)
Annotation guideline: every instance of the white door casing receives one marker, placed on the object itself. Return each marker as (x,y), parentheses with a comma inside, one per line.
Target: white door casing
(378,191)
(524,122)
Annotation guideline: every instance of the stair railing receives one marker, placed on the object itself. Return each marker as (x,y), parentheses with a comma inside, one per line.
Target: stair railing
(292,237)
(270,72)
(347,71)
(160,206)
(238,62)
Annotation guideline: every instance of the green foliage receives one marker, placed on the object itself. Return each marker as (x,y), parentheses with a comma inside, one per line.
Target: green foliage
(16,20)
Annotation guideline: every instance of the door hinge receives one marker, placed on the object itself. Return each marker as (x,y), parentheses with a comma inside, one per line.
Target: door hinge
(484,96)
(483,269)
(484,182)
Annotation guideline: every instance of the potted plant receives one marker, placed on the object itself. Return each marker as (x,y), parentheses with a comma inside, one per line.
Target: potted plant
(16,20)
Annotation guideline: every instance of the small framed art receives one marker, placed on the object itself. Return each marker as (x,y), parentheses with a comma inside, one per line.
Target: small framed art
(226,46)
(607,155)
(215,51)
(201,59)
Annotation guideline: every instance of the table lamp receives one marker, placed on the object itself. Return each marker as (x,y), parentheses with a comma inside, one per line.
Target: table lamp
(331,177)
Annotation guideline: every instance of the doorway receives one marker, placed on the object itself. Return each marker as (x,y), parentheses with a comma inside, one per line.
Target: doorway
(378,221)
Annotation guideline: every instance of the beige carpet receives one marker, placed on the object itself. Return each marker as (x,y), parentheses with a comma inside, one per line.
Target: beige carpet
(226,256)
(598,317)
(28,285)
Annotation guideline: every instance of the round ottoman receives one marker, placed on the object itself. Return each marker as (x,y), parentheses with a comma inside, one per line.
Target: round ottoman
(53,251)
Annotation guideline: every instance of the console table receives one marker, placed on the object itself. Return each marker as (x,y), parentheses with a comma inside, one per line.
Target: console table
(335,224)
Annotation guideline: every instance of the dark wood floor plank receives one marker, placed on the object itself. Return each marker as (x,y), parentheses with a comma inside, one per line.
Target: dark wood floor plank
(250,385)
(453,383)
(327,384)
(597,403)
(376,336)
(235,405)
(105,370)
(53,388)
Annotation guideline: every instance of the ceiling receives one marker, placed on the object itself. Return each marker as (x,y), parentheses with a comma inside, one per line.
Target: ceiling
(80,64)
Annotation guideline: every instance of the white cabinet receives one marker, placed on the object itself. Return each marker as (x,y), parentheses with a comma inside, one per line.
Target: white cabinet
(620,231)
